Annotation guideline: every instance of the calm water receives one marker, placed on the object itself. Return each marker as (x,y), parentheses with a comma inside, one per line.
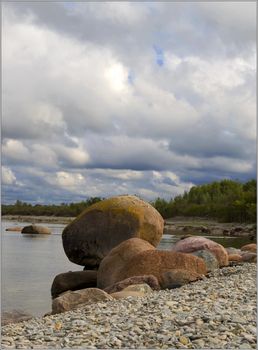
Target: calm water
(30,263)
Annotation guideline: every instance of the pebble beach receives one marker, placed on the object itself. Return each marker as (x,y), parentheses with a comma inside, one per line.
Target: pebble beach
(217,312)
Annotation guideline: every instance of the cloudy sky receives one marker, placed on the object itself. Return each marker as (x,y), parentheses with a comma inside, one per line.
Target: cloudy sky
(109,98)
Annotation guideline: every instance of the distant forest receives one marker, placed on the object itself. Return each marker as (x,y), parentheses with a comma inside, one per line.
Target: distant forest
(226,200)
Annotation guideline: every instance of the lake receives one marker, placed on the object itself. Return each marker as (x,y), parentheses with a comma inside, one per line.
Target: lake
(30,263)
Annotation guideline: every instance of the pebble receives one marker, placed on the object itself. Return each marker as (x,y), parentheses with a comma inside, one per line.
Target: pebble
(218,312)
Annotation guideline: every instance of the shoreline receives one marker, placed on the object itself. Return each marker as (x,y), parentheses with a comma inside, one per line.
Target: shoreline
(38,219)
(208,313)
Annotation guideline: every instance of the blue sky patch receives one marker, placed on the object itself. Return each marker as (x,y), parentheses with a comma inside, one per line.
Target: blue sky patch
(159,55)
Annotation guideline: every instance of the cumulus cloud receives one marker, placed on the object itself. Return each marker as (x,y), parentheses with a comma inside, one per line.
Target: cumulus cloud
(8,177)
(108,98)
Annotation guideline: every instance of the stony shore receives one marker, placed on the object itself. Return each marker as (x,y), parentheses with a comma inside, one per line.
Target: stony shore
(218,312)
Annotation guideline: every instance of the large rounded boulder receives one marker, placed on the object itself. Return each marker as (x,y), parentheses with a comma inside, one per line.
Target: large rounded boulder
(194,243)
(104,225)
(123,263)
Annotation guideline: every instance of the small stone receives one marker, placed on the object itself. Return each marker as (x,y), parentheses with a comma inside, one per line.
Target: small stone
(184,340)
(199,322)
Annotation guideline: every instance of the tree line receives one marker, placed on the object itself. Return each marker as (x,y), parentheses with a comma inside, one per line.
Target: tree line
(226,200)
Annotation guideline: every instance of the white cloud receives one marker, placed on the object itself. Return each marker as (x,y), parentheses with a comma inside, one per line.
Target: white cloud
(87,107)
(8,177)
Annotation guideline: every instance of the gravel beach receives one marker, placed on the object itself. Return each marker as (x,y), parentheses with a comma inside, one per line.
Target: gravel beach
(218,312)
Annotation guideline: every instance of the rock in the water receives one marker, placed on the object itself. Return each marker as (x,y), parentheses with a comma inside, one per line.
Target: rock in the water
(151,280)
(118,265)
(14,316)
(72,300)
(250,247)
(177,278)
(192,244)
(119,256)
(209,258)
(234,257)
(14,229)
(104,225)
(73,281)
(36,229)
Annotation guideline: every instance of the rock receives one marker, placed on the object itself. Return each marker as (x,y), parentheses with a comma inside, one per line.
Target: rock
(177,278)
(104,225)
(234,257)
(151,280)
(125,294)
(209,258)
(192,244)
(117,258)
(36,229)
(14,229)
(14,316)
(143,288)
(249,257)
(72,300)
(118,265)
(250,247)
(73,281)
(232,250)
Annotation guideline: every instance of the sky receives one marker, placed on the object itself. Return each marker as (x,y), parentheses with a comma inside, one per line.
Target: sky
(111,98)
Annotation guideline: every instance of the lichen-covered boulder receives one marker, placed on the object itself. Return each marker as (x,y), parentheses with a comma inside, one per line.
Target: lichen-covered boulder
(150,280)
(177,278)
(194,243)
(104,225)
(72,300)
(146,262)
(73,280)
(36,229)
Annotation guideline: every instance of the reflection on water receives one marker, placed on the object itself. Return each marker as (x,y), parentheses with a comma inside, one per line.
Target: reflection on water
(30,263)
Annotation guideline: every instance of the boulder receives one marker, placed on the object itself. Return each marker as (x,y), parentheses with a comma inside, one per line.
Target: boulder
(177,278)
(14,229)
(104,225)
(249,257)
(150,280)
(234,257)
(117,258)
(73,281)
(36,229)
(147,262)
(72,300)
(14,316)
(192,244)
(250,247)
(232,250)
(127,293)
(209,258)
